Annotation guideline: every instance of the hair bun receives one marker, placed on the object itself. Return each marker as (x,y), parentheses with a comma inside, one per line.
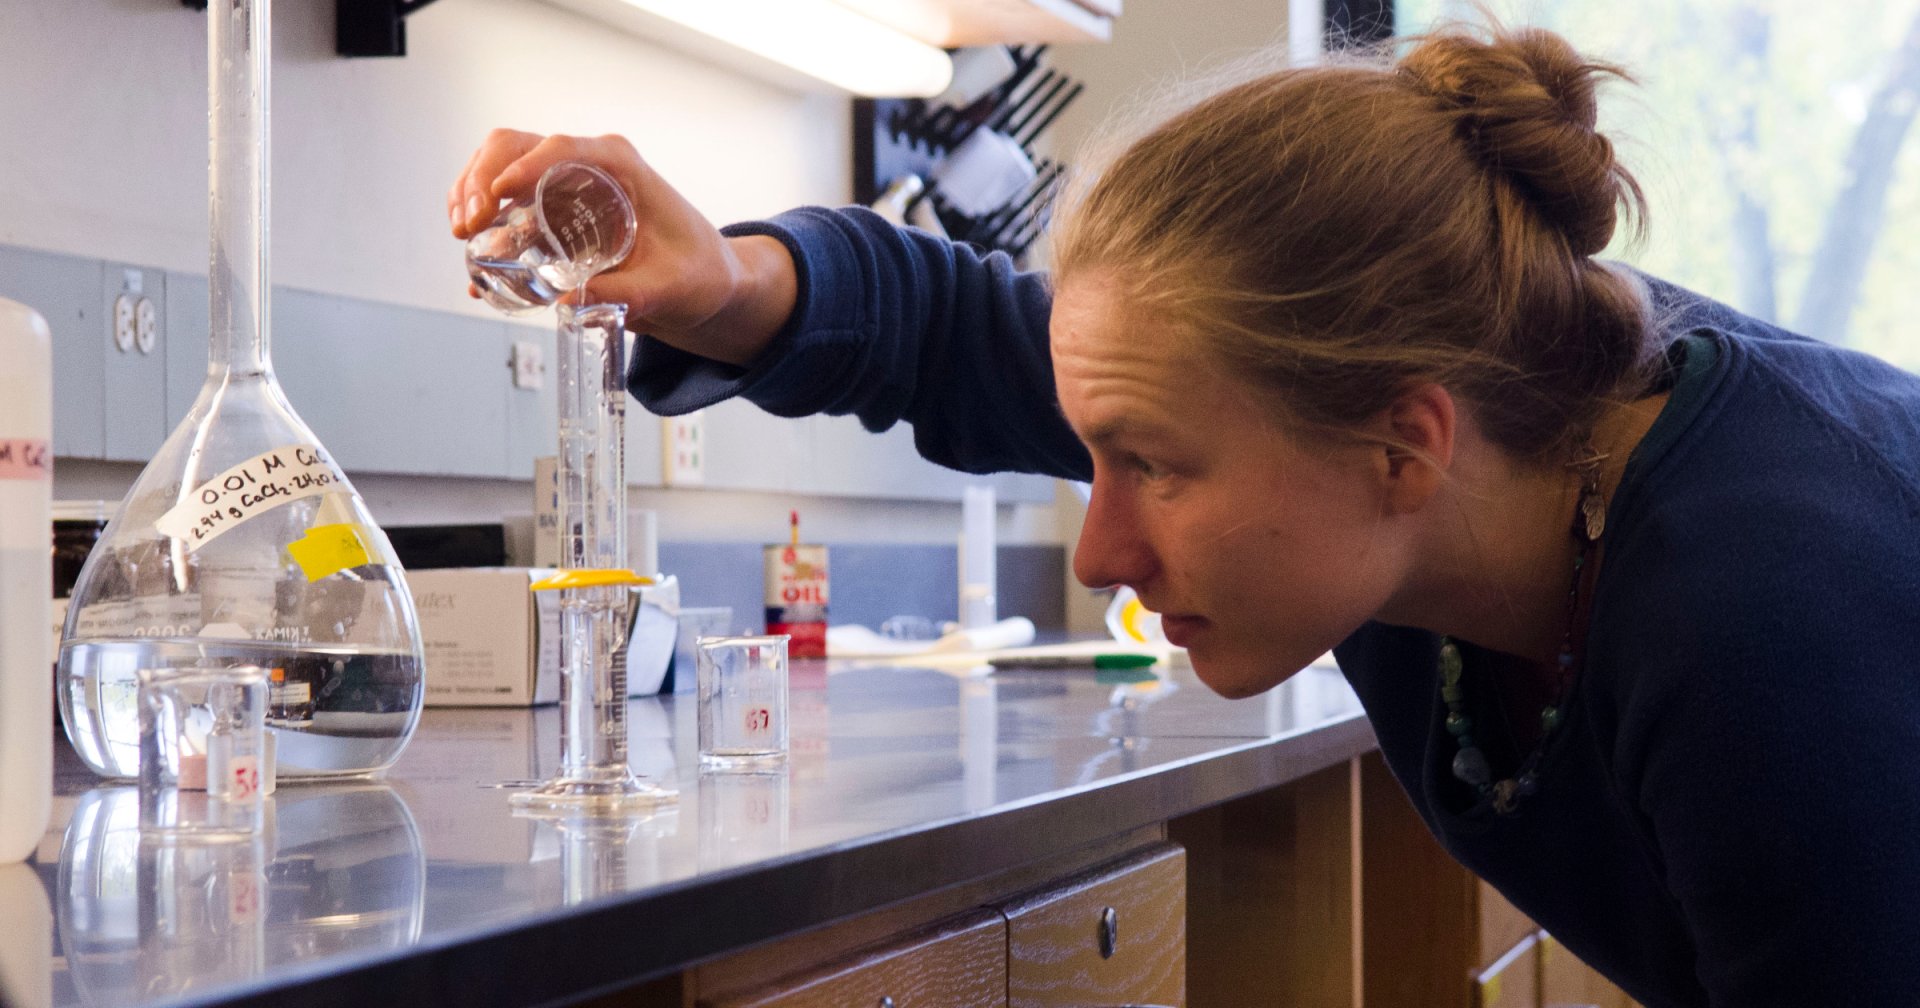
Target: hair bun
(1526,105)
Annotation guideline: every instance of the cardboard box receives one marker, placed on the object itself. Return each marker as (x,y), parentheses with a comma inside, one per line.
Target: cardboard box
(491,641)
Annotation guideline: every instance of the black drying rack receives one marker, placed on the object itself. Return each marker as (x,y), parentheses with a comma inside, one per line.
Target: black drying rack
(897,137)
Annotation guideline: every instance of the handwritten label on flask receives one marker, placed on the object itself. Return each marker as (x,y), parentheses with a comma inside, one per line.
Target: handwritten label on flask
(252,488)
(25,459)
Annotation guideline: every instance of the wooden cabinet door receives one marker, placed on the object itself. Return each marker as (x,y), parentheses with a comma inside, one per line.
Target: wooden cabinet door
(1113,936)
(1513,981)
(1566,982)
(1502,926)
(1426,922)
(959,964)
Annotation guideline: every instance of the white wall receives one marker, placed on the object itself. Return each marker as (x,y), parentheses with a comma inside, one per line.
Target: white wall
(104,107)
(1157,45)
(106,112)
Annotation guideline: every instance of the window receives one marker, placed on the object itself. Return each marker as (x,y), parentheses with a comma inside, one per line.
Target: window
(1772,138)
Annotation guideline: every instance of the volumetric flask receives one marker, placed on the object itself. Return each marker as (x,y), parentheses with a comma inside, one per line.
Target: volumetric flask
(578,223)
(242,543)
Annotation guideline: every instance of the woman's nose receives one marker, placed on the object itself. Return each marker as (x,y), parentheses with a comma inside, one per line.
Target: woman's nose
(1113,548)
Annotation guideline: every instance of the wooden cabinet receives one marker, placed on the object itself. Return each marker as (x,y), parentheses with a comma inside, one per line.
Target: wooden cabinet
(1435,936)
(961,963)
(1327,892)
(1108,930)
(1513,980)
(1502,927)
(1117,935)
(1271,904)
(1566,982)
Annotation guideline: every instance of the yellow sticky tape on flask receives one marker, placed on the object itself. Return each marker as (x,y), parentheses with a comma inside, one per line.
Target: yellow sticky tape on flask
(329,549)
(590,577)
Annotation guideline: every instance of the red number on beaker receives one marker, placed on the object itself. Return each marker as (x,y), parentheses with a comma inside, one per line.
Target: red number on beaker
(246,780)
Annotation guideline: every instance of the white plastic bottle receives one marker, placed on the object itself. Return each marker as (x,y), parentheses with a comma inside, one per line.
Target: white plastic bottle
(26,579)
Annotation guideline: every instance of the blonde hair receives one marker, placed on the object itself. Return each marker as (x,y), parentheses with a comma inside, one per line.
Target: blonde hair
(1340,233)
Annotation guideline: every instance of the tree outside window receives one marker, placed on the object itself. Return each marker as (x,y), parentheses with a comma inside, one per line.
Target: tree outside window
(1772,137)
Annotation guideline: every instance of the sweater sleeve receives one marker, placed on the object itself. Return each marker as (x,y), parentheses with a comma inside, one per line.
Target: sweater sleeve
(895,324)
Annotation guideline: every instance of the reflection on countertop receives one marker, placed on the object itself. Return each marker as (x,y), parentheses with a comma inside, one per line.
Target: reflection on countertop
(369,879)
(338,869)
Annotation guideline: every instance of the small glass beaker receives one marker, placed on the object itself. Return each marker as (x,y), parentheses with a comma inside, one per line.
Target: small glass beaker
(743,701)
(578,223)
(205,763)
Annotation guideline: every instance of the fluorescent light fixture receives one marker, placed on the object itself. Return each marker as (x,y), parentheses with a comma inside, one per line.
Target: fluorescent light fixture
(818,38)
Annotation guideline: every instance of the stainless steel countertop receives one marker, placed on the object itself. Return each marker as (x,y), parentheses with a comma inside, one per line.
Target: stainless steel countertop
(424,886)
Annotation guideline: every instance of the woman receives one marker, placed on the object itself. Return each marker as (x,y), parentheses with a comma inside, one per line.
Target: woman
(1623,578)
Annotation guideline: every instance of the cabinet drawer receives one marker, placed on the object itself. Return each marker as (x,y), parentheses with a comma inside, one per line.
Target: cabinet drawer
(959,964)
(1116,935)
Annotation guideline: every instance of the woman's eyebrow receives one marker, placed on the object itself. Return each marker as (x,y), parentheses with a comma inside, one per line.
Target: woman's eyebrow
(1105,432)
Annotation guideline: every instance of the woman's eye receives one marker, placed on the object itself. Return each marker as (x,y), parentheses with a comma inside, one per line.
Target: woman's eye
(1144,468)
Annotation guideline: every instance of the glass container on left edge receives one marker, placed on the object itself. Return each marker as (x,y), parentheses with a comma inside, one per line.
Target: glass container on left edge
(242,542)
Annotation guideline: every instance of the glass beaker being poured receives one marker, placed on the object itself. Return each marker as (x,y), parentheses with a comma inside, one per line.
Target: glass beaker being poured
(579,223)
(242,542)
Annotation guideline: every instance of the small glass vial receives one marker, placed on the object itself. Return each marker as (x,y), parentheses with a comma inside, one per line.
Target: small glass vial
(205,762)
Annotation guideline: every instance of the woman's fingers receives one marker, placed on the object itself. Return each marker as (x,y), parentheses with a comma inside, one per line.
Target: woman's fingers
(682,282)
(475,196)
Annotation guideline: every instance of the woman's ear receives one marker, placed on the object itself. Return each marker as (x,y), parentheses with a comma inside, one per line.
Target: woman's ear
(1419,431)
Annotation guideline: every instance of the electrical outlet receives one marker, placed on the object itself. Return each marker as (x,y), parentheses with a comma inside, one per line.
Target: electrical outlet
(528,363)
(123,322)
(146,325)
(683,441)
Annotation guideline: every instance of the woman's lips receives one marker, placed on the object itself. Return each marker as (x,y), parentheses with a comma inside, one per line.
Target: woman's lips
(1181,630)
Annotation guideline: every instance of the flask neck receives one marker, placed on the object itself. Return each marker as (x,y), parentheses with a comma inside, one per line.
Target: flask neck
(239,35)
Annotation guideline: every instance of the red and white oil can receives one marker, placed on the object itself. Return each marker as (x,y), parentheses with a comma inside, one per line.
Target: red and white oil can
(796,593)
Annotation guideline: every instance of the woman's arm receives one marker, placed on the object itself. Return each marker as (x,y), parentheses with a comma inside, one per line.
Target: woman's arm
(894,324)
(816,311)
(683,282)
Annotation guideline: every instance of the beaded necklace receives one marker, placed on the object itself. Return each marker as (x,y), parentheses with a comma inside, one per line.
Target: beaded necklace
(1469,763)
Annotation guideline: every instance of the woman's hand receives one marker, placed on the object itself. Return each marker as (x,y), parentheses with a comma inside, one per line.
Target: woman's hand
(683,283)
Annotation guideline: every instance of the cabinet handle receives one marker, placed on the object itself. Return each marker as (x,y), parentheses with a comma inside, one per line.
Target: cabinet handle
(1109,932)
(885,1001)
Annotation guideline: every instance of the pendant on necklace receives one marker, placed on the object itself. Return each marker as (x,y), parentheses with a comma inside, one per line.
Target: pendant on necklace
(1593,510)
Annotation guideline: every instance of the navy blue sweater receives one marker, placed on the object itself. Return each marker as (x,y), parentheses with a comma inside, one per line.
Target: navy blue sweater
(1730,812)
